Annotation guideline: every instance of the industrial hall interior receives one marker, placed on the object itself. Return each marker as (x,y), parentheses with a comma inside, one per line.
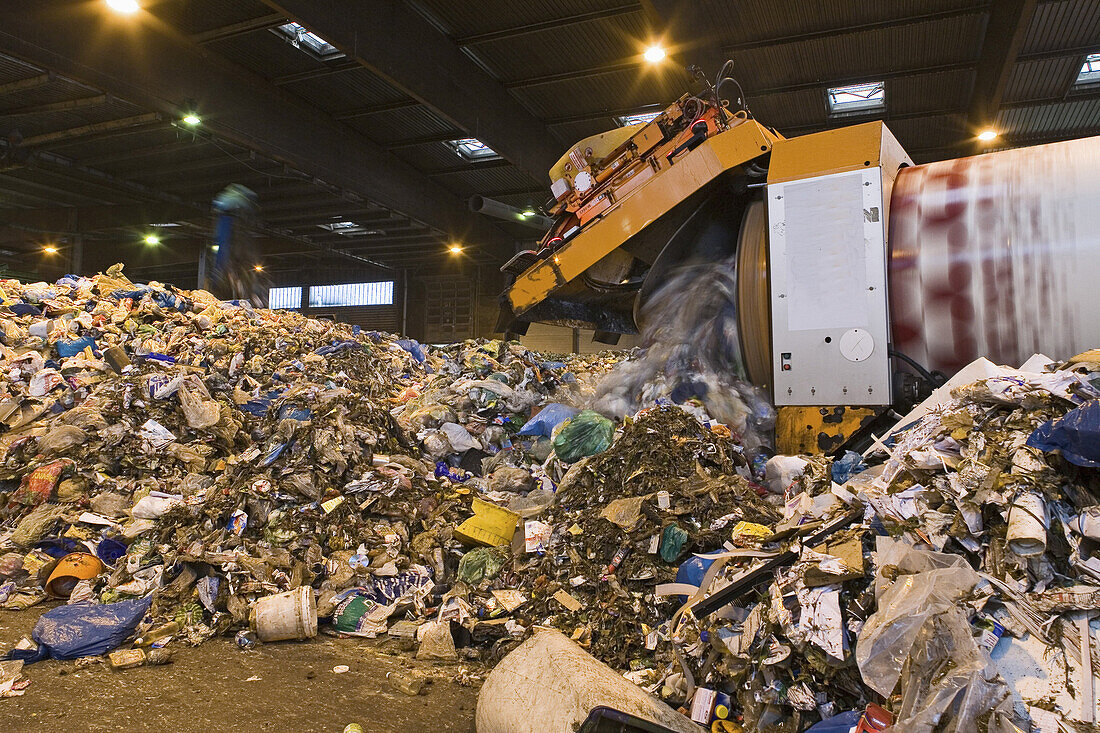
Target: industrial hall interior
(550,366)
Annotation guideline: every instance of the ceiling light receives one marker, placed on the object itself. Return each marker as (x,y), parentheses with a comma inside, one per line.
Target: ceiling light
(191,119)
(654,54)
(152,239)
(126,7)
(528,212)
(258,268)
(50,250)
(987,135)
(214,247)
(455,249)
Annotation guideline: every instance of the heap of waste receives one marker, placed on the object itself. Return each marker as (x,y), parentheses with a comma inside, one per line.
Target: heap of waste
(177,467)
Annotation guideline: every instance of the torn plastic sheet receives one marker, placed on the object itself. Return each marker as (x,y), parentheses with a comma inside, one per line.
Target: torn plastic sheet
(1076,435)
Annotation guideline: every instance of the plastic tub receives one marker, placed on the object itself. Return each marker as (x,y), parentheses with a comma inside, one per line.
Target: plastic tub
(70,570)
(290,615)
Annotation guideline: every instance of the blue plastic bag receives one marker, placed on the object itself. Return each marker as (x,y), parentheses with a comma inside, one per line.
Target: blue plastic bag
(692,571)
(547,419)
(414,348)
(65,349)
(847,466)
(86,630)
(842,723)
(1076,434)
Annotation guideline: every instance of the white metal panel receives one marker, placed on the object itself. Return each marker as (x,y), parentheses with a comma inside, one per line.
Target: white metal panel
(827,255)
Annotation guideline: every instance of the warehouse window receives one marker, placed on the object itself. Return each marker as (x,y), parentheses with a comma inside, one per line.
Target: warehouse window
(637,119)
(308,41)
(473,149)
(336,296)
(857,98)
(1090,70)
(284,298)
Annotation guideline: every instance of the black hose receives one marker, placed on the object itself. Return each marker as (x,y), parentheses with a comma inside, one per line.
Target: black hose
(936,379)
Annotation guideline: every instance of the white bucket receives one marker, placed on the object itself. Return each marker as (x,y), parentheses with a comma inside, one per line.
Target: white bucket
(1027,525)
(290,615)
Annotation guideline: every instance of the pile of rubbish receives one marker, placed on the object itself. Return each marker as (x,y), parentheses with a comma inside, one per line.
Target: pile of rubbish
(174,467)
(202,461)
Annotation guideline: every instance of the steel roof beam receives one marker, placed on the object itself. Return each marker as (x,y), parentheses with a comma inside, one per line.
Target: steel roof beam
(376,109)
(860,28)
(1004,37)
(524,30)
(271,20)
(238,106)
(67,105)
(80,219)
(394,41)
(31,82)
(90,130)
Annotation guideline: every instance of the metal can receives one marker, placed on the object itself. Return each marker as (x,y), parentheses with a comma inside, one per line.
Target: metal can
(617,560)
(246,639)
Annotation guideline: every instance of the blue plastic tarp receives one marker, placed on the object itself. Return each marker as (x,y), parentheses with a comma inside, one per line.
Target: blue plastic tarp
(86,630)
(1076,435)
(547,419)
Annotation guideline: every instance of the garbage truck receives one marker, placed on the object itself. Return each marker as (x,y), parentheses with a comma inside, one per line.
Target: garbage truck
(862,278)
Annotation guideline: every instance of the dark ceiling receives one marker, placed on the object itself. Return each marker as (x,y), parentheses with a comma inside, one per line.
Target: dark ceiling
(92,144)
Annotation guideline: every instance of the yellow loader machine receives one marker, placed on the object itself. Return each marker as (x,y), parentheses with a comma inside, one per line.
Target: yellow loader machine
(859,274)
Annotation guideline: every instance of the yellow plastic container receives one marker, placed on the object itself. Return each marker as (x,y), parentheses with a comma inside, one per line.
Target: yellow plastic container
(491,525)
(69,571)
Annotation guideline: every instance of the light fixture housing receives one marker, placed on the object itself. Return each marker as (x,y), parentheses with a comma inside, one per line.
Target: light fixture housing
(192,119)
(125,7)
(987,135)
(655,54)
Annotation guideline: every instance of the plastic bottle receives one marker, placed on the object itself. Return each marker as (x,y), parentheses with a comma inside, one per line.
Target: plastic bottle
(404,682)
(157,633)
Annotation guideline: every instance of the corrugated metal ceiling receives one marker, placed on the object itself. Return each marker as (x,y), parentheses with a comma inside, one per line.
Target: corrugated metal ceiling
(195,16)
(1063,24)
(790,52)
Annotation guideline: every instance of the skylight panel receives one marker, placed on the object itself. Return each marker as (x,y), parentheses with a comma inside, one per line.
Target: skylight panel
(1090,70)
(638,119)
(857,98)
(471,148)
(349,228)
(308,41)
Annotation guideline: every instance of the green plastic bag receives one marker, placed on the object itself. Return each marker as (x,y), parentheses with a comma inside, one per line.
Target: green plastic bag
(481,564)
(586,434)
(673,540)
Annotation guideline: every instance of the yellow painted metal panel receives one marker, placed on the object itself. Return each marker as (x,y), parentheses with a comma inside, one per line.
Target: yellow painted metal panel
(831,151)
(817,430)
(670,187)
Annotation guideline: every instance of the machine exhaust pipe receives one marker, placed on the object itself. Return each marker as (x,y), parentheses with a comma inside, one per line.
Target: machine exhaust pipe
(500,210)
